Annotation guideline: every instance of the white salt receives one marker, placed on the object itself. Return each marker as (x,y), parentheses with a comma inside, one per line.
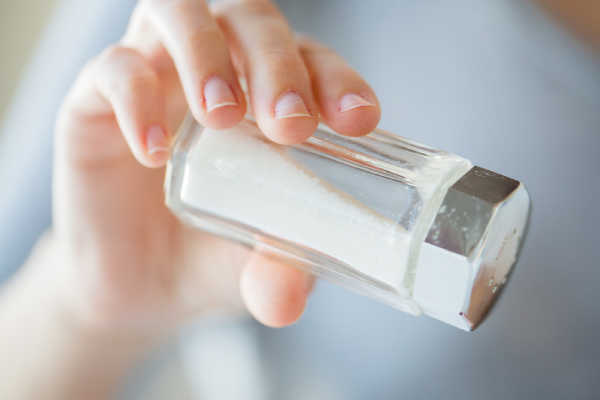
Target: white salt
(240,176)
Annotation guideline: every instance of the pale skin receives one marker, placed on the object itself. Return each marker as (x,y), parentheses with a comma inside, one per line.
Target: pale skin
(118,272)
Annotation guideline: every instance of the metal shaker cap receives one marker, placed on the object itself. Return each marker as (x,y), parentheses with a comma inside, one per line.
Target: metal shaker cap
(471,247)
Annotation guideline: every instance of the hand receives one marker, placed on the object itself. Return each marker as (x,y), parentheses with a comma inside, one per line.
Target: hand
(122,259)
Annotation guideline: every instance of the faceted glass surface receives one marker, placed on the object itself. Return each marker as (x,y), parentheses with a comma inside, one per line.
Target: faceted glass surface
(352,210)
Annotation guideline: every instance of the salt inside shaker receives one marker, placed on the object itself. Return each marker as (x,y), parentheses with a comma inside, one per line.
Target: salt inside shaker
(420,229)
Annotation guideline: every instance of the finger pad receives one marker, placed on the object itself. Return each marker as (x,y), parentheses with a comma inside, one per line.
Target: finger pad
(274,293)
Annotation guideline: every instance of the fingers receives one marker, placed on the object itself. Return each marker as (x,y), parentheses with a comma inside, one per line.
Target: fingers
(278,81)
(347,103)
(281,77)
(198,49)
(274,292)
(121,81)
(287,85)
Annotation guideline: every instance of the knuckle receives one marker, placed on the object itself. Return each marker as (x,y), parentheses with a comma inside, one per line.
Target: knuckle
(261,8)
(278,56)
(137,81)
(180,6)
(187,12)
(310,47)
(111,54)
(120,70)
(200,36)
(256,10)
(128,85)
(186,21)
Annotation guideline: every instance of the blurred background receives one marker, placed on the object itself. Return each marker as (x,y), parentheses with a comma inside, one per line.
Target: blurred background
(22,23)
(512,85)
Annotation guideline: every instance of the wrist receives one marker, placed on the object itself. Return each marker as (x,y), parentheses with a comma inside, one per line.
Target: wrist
(52,344)
(70,293)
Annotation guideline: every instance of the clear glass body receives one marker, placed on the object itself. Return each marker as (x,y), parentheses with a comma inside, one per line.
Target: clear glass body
(352,210)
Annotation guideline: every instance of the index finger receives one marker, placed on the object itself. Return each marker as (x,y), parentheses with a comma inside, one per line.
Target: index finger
(195,43)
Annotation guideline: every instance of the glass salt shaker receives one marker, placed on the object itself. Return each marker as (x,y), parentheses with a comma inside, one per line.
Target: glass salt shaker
(420,229)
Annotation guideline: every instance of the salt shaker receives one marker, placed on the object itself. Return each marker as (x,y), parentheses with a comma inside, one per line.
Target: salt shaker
(420,229)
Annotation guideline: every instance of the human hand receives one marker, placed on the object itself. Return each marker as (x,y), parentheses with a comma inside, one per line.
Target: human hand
(121,258)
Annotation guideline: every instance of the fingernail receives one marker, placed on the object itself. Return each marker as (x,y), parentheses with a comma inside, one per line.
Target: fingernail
(217,94)
(290,105)
(156,140)
(351,101)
